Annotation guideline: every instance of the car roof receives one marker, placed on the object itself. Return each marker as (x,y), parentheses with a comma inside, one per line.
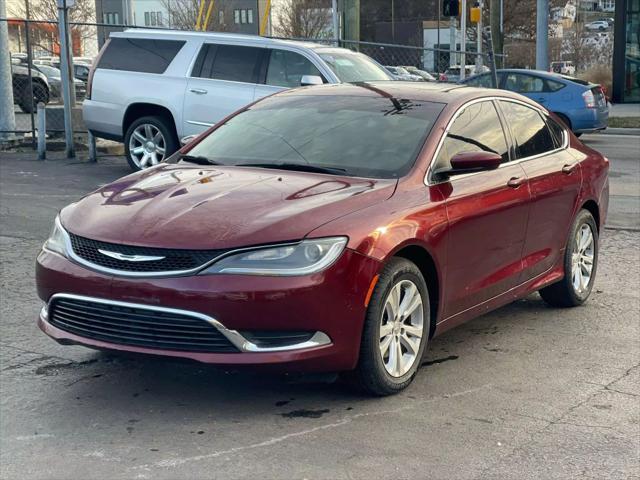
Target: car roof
(225,37)
(447,93)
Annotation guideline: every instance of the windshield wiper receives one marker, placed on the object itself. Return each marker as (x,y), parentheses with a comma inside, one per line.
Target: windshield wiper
(198,160)
(296,166)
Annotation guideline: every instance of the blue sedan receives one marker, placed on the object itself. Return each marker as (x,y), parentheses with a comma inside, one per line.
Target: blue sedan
(580,104)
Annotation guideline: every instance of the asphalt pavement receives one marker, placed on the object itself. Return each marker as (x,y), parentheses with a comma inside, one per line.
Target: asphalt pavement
(525,392)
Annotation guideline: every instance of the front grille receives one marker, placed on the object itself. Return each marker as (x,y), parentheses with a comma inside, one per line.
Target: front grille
(137,326)
(174,259)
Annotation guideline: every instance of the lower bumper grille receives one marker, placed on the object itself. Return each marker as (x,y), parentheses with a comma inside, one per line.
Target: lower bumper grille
(137,326)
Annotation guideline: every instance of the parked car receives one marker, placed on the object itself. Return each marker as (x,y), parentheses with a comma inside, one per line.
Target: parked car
(426,76)
(452,74)
(564,67)
(196,79)
(400,73)
(81,71)
(581,105)
(55,83)
(597,25)
(23,94)
(333,228)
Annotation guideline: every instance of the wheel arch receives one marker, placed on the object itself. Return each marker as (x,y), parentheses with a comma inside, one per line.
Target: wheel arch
(142,109)
(425,262)
(592,207)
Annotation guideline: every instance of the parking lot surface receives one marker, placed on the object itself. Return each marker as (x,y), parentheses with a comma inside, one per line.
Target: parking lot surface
(523,392)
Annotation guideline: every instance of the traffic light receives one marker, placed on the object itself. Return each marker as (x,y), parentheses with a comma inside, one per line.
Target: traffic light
(450,8)
(476,13)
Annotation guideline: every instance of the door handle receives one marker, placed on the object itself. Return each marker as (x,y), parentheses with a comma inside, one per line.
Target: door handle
(198,91)
(569,168)
(514,182)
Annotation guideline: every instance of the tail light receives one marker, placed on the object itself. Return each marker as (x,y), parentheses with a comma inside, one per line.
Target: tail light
(589,99)
(93,68)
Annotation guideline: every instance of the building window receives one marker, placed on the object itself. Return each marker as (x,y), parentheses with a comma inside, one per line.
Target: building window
(250,16)
(153,19)
(221,17)
(111,18)
(236,16)
(243,16)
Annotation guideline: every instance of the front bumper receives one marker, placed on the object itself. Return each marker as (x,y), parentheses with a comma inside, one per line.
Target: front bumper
(330,303)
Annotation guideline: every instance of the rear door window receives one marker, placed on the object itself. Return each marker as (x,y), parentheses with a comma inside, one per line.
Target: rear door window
(557,132)
(286,69)
(521,83)
(139,54)
(530,132)
(476,129)
(235,63)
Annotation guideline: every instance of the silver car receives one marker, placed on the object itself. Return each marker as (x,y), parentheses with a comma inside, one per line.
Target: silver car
(150,88)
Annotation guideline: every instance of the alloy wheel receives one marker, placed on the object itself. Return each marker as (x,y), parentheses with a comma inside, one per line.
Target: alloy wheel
(147,146)
(401,328)
(582,259)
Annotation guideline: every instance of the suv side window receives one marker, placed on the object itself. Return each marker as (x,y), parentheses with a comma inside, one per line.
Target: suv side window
(286,69)
(139,54)
(228,62)
(530,132)
(477,128)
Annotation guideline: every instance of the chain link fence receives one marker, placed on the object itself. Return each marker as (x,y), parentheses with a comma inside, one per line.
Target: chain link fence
(35,65)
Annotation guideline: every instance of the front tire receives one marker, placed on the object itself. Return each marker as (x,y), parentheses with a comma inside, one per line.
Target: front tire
(40,93)
(396,330)
(149,141)
(580,265)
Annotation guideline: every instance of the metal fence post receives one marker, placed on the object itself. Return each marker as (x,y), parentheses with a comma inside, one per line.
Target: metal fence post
(7,113)
(91,140)
(66,84)
(42,131)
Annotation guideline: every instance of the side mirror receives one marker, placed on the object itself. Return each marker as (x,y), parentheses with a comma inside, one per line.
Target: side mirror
(469,162)
(187,139)
(307,80)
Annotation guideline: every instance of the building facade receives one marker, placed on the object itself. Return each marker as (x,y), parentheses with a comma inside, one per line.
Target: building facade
(626,52)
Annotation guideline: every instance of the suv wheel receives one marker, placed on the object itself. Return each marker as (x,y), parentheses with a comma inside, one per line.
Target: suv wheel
(149,141)
(395,331)
(580,264)
(40,94)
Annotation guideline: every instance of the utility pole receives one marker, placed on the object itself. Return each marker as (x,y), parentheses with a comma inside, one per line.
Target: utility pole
(334,17)
(452,41)
(7,114)
(463,41)
(479,39)
(495,20)
(66,82)
(542,35)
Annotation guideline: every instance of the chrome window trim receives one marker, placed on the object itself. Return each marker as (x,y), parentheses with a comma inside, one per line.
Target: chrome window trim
(429,181)
(236,338)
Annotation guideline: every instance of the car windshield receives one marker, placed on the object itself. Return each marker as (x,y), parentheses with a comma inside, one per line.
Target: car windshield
(374,137)
(353,67)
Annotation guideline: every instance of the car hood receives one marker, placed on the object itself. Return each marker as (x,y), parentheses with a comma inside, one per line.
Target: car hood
(184,206)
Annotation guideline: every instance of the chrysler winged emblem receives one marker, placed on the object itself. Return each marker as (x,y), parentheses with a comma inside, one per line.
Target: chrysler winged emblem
(130,258)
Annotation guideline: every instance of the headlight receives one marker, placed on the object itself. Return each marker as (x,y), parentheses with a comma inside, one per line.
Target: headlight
(304,258)
(57,241)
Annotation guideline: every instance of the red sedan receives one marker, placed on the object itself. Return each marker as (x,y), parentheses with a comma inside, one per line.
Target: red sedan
(332,228)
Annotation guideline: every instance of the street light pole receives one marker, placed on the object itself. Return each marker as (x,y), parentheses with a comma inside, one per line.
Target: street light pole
(542,35)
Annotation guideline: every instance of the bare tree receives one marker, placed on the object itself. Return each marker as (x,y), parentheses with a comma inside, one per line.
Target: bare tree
(183,15)
(304,19)
(44,36)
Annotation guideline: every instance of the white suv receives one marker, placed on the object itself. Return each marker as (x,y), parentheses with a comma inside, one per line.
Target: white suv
(150,88)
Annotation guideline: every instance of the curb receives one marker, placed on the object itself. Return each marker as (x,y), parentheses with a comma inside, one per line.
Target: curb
(620,131)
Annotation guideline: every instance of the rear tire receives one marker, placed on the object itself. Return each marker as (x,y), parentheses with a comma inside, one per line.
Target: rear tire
(404,330)
(40,94)
(580,265)
(149,141)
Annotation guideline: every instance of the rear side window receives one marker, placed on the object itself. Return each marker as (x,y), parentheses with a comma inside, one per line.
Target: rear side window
(476,129)
(530,132)
(557,132)
(139,54)
(233,63)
